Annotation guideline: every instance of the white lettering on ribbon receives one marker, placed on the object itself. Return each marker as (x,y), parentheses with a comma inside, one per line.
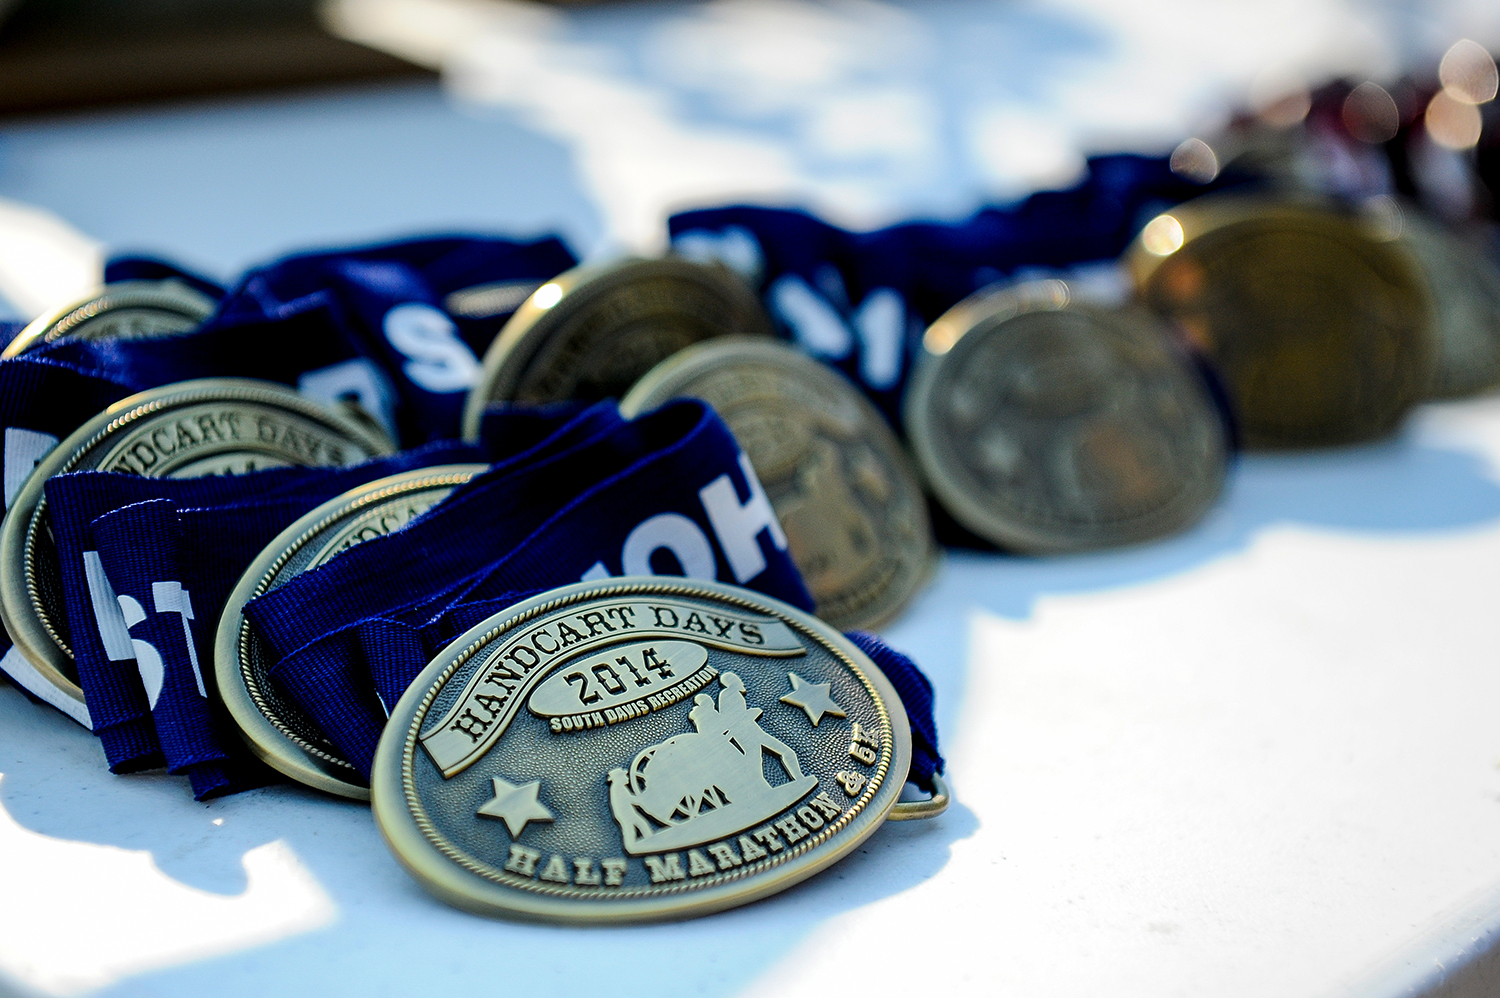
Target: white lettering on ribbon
(24,450)
(147,659)
(358,380)
(678,535)
(437,360)
(737,525)
(880,321)
(170,597)
(114,632)
(735,247)
(115,615)
(815,323)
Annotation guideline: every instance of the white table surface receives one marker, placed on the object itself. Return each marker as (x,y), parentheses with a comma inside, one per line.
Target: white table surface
(1260,758)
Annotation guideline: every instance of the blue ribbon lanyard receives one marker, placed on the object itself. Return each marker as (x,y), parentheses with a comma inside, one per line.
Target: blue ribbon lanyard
(361,324)
(861,300)
(668,492)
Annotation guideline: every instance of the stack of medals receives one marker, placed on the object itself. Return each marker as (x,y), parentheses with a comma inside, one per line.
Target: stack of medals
(551,563)
(307,508)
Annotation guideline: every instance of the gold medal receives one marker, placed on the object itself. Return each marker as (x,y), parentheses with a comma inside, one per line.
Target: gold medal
(637,749)
(276,729)
(1319,326)
(205,427)
(1045,424)
(124,310)
(844,492)
(592,332)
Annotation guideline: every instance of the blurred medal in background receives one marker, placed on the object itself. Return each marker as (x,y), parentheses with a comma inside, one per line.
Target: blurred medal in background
(592,332)
(1319,326)
(1463,284)
(844,492)
(124,310)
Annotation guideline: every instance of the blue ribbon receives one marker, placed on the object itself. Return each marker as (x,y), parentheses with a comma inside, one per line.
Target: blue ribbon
(668,493)
(861,300)
(361,323)
(141,538)
(150,268)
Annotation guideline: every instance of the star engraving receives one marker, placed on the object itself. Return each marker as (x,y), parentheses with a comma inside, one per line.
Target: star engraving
(813,698)
(515,805)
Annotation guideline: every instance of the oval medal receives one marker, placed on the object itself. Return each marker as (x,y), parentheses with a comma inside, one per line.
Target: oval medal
(1319,326)
(1044,424)
(204,427)
(124,310)
(637,749)
(276,729)
(592,332)
(844,492)
(1464,284)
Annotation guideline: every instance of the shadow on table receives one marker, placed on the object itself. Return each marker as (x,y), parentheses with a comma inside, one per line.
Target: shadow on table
(388,934)
(1400,486)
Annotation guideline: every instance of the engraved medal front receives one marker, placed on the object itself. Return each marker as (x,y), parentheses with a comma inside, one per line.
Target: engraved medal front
(637,749)
(843,490)
(209,426)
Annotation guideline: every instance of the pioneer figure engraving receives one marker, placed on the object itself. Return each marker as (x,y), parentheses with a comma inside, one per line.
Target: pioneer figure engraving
(703,785)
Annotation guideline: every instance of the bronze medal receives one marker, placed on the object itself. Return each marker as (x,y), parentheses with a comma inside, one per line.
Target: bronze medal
(1045,424)
(637,749)
(1464,285)
(592,332)
(842,488)
(1320,329)
(277,730)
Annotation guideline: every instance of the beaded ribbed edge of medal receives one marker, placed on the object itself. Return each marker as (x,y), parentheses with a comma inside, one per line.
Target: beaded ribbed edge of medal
(565,567)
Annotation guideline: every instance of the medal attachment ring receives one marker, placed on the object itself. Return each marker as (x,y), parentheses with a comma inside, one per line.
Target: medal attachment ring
(919,810)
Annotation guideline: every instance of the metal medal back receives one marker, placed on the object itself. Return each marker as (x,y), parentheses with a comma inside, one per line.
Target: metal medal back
(1318,324)
(1045,424)
(592,332)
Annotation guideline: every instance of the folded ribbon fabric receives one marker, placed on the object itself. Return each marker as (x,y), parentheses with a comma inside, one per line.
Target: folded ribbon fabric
(367,323)
(669,493)
(134,552)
